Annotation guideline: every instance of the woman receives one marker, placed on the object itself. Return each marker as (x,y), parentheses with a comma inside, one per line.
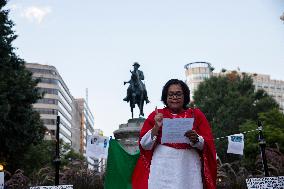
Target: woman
(175,165)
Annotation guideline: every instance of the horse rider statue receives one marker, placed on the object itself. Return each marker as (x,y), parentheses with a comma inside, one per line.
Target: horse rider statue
(131,88)
(136,88)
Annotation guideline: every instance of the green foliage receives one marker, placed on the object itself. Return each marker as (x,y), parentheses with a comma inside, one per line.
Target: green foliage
(228,101)
(20,125)
(38,156)
(17,181)
(42,155)
(273,122)
(38,165)
(68,154)
(81,177)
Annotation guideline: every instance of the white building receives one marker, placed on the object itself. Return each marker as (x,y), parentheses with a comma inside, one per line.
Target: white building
(197,72)
(57,101)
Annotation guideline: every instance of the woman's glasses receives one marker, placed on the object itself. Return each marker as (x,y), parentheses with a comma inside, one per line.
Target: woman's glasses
(177,95)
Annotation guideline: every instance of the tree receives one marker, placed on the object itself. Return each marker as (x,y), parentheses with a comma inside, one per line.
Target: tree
(20,125)
(37,165)
(38,156)
(228,101)
(273,124)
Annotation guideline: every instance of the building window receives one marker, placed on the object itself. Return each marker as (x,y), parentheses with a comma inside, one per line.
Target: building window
(64,110)
(61,97)
(42,71)
(65,93)
(64,120)
(46,111)
(63,128)
(47,80)
(49,121)
(48,91)
(47,101)
(64,138)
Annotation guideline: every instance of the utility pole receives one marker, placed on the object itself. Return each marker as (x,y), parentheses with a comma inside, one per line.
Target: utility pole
(262,144)
(57,156)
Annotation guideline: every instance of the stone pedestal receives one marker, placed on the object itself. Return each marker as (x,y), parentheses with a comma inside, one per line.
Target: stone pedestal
(128,134)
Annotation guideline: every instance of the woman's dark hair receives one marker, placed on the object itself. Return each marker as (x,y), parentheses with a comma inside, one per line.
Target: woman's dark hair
(185,90)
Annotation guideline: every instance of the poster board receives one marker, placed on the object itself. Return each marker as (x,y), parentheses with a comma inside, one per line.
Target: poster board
(266,183)
(97,146)
(53,187)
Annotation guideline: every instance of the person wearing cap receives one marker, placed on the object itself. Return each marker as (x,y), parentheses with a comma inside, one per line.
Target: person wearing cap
(136,76)
(179,165)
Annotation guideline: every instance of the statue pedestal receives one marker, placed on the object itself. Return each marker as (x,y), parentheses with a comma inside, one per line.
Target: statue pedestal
(128,134)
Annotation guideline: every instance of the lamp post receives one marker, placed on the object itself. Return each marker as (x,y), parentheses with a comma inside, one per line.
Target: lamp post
(56,161)
(262,144)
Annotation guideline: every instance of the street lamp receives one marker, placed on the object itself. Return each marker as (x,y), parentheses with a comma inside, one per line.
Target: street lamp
(57,156)
(1,167)
(262,144)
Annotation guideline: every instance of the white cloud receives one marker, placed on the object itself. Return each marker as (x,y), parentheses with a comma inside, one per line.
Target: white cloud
(13,7)
(36,14)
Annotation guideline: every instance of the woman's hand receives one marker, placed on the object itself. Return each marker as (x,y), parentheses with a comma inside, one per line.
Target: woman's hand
(158,123)
(192,136)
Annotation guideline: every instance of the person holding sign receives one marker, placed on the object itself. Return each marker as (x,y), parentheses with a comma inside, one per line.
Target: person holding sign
(176,145)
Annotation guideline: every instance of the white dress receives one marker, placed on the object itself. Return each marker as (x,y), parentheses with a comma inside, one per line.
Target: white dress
(174,168)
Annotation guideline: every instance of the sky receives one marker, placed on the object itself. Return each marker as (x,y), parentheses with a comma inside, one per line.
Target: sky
(93,44)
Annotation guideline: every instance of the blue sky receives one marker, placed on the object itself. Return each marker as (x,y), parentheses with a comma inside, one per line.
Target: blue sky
(93,43)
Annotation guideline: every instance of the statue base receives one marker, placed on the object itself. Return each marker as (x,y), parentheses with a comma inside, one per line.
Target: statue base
(128,134)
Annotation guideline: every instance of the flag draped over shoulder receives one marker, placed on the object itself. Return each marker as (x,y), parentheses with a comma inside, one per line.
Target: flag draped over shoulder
(120,165)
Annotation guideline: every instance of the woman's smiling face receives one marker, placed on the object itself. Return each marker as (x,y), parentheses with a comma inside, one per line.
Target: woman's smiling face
(175,98)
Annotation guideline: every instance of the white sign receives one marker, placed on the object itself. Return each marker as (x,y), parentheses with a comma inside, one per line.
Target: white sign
(236,144)
(266,183)
(53,187)
(174,129)
(97,146)
(1,180)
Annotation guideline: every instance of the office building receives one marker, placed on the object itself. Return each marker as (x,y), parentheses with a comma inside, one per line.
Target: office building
(86,126)
(57,100)
(197,72)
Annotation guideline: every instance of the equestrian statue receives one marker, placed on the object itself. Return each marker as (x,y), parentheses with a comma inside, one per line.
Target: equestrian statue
(136,91)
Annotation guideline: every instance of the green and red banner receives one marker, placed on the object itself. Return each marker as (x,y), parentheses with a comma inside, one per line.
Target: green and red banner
(120,165)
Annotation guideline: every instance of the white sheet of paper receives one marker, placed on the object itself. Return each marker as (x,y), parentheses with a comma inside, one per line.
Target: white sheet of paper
(174,129)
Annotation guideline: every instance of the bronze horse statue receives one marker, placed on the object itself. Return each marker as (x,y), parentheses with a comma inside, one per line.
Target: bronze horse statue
(136,92)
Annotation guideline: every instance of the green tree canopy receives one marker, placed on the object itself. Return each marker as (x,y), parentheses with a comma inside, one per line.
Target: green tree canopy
(228,101)
(273,131)
(20,125)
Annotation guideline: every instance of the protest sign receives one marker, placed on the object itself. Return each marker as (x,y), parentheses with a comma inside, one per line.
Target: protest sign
(97,146)
(266,183)
(53,187)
